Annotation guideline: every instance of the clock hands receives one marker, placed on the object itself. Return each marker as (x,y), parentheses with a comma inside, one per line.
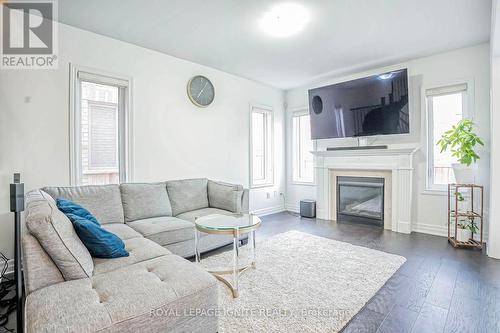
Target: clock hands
(202,90)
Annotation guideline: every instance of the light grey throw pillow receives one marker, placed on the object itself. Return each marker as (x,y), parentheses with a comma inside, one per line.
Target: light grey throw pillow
(225,196)
(141,201)
(54,231)
(187,194)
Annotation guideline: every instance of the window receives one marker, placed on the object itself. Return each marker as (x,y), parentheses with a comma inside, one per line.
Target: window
(261,146)
(445,107)
(302,145)
(99,129)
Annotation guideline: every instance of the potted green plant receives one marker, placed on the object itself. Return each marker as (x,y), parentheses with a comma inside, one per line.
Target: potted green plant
(463,231)
(473,228)
(462,140)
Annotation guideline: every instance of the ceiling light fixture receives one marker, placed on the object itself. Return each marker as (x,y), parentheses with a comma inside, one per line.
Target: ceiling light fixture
(284,20)
(386,76)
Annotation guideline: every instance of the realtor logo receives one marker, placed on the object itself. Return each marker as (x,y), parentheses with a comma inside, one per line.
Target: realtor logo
(29,36)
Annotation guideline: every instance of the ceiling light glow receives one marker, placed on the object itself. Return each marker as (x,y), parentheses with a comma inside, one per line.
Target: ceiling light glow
(284,20)
(386,76)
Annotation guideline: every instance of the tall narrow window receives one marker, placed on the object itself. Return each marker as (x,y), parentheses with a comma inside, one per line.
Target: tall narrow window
(445,107)
(261,158)
(99,127)
(302,145)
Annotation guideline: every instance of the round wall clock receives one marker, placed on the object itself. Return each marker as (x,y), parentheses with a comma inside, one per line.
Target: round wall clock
(201,91)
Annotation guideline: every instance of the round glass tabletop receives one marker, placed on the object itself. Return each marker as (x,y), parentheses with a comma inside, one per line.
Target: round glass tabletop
(219,222)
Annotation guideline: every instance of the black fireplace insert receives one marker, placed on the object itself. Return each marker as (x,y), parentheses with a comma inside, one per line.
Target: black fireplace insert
(360,200)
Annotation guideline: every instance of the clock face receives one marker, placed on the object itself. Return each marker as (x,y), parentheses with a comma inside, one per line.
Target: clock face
(201,91)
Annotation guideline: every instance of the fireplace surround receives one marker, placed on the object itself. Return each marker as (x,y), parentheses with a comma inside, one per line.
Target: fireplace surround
(393,164)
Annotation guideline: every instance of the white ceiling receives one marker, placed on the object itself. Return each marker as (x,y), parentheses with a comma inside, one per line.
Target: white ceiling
(341,36)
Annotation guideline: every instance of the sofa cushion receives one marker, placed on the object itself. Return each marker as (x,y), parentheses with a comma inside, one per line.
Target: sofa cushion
(225,196)
(55,233)
(39,269)
(192,215)
(124,300)
(139,249)
(164,230)
(188,194)
(100,242)
(103,201)
(69,207)
(122,230)
(141,201)
(208,242)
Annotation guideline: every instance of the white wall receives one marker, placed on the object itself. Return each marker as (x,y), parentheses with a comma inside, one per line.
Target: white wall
(429,211)
(494,226)
(172,138)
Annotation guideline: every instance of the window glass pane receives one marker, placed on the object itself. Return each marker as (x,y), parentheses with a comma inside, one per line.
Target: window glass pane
(99,134)
(447,110)
(306,146)
(303,161)
(258,146)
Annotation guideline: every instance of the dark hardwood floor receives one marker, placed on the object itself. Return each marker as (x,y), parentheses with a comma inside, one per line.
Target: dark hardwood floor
(438,289)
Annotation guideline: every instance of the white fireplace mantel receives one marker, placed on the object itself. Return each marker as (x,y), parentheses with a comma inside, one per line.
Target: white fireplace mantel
(399,161)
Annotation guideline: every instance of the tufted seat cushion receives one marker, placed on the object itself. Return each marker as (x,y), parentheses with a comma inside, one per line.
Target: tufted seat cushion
(146,296)
(139,249)
(122,230)
(164,230)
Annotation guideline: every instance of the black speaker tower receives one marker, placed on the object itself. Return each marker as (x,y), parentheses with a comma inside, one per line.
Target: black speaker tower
(17,206)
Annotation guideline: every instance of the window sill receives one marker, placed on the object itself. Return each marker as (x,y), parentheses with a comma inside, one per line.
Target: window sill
(304,183)
(261,185)
(435,192)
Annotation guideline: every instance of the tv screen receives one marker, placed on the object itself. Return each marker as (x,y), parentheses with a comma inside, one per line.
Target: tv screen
(374,105)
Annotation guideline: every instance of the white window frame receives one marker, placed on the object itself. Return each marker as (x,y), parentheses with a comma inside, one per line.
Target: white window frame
(295,161)
(462,85)
(269,146)
(125,137)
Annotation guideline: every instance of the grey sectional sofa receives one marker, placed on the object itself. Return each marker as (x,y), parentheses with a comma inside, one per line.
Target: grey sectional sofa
(153,289)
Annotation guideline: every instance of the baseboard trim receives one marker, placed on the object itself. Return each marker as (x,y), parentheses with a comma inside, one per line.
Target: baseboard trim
(432,229)
(269,210)
(292,208)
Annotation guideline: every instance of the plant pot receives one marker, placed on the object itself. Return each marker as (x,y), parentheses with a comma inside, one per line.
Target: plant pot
(464,174)
(463,235)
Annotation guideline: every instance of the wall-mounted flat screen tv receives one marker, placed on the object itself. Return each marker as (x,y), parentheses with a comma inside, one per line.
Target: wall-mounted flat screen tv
(374,105)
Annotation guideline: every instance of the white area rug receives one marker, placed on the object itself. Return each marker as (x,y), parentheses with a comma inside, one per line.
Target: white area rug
(302,283)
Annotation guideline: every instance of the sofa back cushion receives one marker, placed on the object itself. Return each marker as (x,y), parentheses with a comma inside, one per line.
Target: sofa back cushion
(142,201)
(55,233)
(39,270)
(225,196)
(103,201)
(187,194)
(70,207)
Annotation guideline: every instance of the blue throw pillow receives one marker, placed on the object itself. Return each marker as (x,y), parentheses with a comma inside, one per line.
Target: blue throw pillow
(69,207)
(100,242)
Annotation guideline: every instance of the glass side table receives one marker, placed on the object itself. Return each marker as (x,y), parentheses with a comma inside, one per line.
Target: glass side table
(235,225)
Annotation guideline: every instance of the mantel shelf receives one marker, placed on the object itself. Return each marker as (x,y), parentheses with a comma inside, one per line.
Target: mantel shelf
(367,152)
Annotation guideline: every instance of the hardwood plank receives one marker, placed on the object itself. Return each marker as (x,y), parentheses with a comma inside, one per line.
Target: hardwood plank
(385,299)
(431,319)
(414,295)
(463,316)
(443,285)
(468,283)
(366,321)
(399,320)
